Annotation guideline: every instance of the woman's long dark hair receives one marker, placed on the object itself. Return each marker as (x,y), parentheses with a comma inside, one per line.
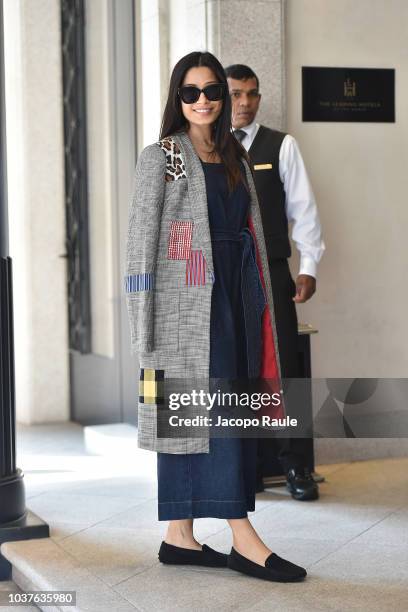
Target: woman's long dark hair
(225,144)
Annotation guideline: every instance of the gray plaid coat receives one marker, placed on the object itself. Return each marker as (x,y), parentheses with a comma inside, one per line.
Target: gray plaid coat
(169,278)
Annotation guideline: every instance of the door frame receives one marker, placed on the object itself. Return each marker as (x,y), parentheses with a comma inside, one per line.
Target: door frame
(103,389)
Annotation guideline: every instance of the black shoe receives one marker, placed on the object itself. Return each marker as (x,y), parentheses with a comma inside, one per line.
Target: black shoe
(275,569)
(175,555)
(301,485)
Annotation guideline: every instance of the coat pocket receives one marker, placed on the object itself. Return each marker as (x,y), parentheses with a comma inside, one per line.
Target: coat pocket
(166,321)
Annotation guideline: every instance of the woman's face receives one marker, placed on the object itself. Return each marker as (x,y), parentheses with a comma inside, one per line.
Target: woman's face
(202,112)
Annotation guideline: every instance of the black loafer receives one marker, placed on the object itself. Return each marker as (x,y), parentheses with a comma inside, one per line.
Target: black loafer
(276,569)
(175,555)
(301,485)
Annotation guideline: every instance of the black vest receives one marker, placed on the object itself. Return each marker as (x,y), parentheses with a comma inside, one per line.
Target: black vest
(269,188)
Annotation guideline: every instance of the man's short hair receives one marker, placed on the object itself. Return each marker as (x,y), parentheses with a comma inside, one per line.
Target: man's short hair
(241,73)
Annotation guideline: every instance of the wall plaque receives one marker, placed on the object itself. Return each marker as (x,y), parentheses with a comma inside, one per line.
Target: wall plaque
(348,94)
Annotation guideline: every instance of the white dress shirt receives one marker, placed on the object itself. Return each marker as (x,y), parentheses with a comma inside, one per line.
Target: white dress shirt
(300,203)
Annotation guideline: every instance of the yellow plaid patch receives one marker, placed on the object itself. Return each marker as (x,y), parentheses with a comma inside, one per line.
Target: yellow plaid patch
(151,386)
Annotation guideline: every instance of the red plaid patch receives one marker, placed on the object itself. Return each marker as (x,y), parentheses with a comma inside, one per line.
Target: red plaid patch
(180,240)
(195,269)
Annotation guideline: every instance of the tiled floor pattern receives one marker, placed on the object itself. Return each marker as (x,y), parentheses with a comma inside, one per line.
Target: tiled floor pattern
(102,514)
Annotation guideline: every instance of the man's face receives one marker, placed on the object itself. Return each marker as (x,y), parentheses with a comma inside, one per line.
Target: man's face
(245,100)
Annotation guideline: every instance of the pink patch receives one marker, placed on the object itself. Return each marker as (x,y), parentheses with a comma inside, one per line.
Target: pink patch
(195,269)
(180,240)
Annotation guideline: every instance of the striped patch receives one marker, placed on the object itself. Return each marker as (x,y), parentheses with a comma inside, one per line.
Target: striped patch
(180,240)
(196,269)
(139,282)
(151,386)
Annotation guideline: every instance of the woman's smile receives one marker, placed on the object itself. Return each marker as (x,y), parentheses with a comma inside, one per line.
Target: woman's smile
(202,110)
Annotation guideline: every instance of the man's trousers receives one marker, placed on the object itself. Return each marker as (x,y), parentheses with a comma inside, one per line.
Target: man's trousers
(290,452)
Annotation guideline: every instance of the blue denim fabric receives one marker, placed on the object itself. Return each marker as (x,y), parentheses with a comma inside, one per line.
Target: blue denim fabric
(252,296)
(218,484)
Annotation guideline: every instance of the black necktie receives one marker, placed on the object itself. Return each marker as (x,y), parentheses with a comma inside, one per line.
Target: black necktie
(240,135)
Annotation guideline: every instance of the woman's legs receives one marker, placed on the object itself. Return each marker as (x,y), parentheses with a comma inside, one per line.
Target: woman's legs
(247,542)
(235,481)
(180,533)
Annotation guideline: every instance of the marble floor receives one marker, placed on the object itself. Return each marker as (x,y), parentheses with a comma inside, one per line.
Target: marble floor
(102,515)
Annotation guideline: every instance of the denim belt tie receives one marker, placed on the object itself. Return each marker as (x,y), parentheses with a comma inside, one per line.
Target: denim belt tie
(252,293)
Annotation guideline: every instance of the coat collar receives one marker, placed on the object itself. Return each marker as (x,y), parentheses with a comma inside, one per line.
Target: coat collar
(198,194)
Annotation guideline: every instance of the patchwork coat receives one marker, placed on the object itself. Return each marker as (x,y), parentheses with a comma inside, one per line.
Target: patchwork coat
(169,279)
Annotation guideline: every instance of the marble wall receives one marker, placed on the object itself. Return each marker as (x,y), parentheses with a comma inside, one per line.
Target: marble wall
(252,33)
(35,151)
(236,31)
(358,171)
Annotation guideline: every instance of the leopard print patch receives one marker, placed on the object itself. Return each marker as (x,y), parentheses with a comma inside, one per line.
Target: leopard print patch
(175,167)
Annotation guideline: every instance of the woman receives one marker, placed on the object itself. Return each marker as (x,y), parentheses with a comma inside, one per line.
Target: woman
(200,307)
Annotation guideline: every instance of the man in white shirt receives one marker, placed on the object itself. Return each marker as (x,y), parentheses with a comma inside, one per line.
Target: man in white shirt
(285,197)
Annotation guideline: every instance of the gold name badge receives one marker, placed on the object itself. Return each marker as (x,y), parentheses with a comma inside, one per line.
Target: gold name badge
(263,167)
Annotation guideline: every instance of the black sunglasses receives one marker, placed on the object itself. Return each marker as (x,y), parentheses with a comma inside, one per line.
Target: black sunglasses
(190,94)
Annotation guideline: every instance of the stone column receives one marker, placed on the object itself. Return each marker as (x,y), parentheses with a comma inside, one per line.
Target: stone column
(35,151)
(236,31)
(252,33)
(16,523)
(12,498)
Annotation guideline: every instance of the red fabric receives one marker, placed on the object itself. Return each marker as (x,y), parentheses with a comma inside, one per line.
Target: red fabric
(195,269)
(269,363)
(179,246)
